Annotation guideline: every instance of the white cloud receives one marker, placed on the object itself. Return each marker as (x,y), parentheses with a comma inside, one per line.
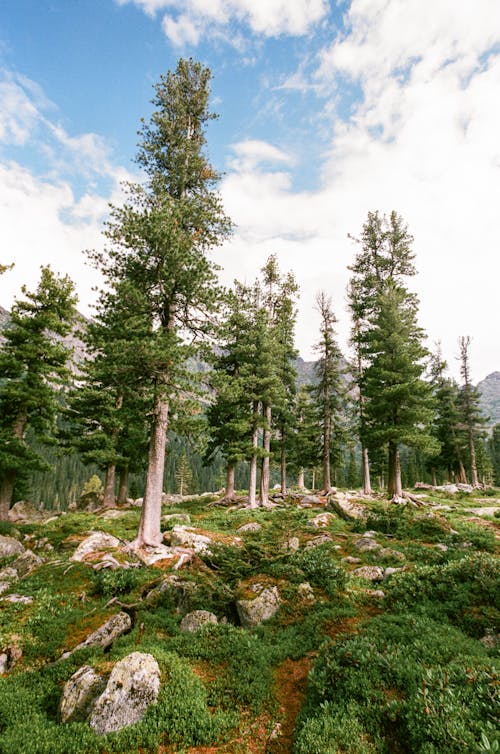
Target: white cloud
(190,20)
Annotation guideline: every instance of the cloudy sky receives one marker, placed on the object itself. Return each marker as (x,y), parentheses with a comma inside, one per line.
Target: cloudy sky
(327,110)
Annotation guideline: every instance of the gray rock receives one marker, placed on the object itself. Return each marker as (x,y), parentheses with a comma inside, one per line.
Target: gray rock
(371,573)
(19,599)
(291,545)
(322,539)
(9,547)
(133,686)
(194,621)
(96,542)
(9,574)
(377,593)
(365,544)
(391,571)
(187,537)
(465,488)
(351,559)
(79,694)
(346,509)
(490,640)
(176,518)
(176,557)
(253,526)
(111,514)
(387,552)
(263,606)
(442,547)
(305,592)
(4,663)
(27,562)
(321,520)
(26,512)
(106,634)
(310,500)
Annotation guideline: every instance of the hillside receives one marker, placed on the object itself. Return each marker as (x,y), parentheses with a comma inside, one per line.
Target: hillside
(319,625)
(490,397)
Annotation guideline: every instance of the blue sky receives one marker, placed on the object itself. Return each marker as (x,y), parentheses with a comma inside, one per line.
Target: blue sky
(327,110)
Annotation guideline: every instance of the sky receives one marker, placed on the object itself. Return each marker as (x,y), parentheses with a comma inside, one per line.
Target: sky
(328,109)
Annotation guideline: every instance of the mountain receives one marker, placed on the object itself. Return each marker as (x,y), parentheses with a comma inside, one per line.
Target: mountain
(490,397)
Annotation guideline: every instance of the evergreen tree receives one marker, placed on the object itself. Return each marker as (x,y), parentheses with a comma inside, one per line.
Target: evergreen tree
(328,390)
(470,409)
(159,242)
(183,476)
(494,448)
(304,442)
(399,408)
(33,365)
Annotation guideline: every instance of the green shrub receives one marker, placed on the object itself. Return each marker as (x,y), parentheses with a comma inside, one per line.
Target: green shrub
(333,731)
(320,568)
(109,583)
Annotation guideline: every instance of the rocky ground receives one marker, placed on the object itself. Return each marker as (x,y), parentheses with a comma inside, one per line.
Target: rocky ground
(218,639)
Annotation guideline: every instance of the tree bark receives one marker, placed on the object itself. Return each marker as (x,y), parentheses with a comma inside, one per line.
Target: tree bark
(300,480)
(109,486)
(252,485)
(434,478)
(123,485)
(149,532)
(473,463)
(6,490)
(284,489)
(367,486)
(229,493)
(326,449)
(266,461)
(394,486)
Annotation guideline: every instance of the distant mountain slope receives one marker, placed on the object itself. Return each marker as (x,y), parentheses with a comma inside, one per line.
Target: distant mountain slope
(490,397)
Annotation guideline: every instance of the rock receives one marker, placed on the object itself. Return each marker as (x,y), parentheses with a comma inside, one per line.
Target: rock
(291,545)
(365,544)
(79,694)
(351,559)
(311,500)
(192,622)
(106,634)
(111,514)
(27,562)
(377,593)
(322,539)
(451,489)
(11,655)
(253,526)
(9,574)
(346,509)
(489,511)
(371,573)
(442,547)
(490,640)
(4,663)
(187,537)
(387,552)
(391,571)
(305,592)
(9,547)
(176,518)
(465,488)
(181,590)
(133,686)
(20,599)
(321,520)
(96,542)
(26,512)
(370,533)
(164,556)
(263,606)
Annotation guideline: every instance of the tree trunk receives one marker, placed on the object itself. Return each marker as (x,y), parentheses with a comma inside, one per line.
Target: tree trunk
(149,526)
(252,485)
(326,449)
(229,493)
(434,478)
(473,464)
(266,461)
(6,490)
(109,486)
(394,486)
(367,486)
(313,480)
(284,489)
(123,485)
(300,480)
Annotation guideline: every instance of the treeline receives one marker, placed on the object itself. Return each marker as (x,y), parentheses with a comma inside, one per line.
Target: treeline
(384,415)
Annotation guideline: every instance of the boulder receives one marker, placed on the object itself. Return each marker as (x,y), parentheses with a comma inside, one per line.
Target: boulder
(251,527)
(27,562)
(321,520)
(106,634)
(182,592)
(322,539)
(193,622)
(164,556)
(183,536)
(371,573)
(351,559)
(346,509)
(110,514)
(9,547)
(79,694)
(292,544)
(387,553)
(4,663)
(18,599)
(305,592)
(391,571)
(133,686)
(311,500)
(25,512)
(176,518)
(263,606)
(96,542)
(365,544)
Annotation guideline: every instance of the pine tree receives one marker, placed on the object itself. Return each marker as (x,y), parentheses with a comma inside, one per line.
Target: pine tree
(399,408)
(470,409)
(494,448)
(33,365)
(183,475)
(159,242)
(304,441)
(328,390)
